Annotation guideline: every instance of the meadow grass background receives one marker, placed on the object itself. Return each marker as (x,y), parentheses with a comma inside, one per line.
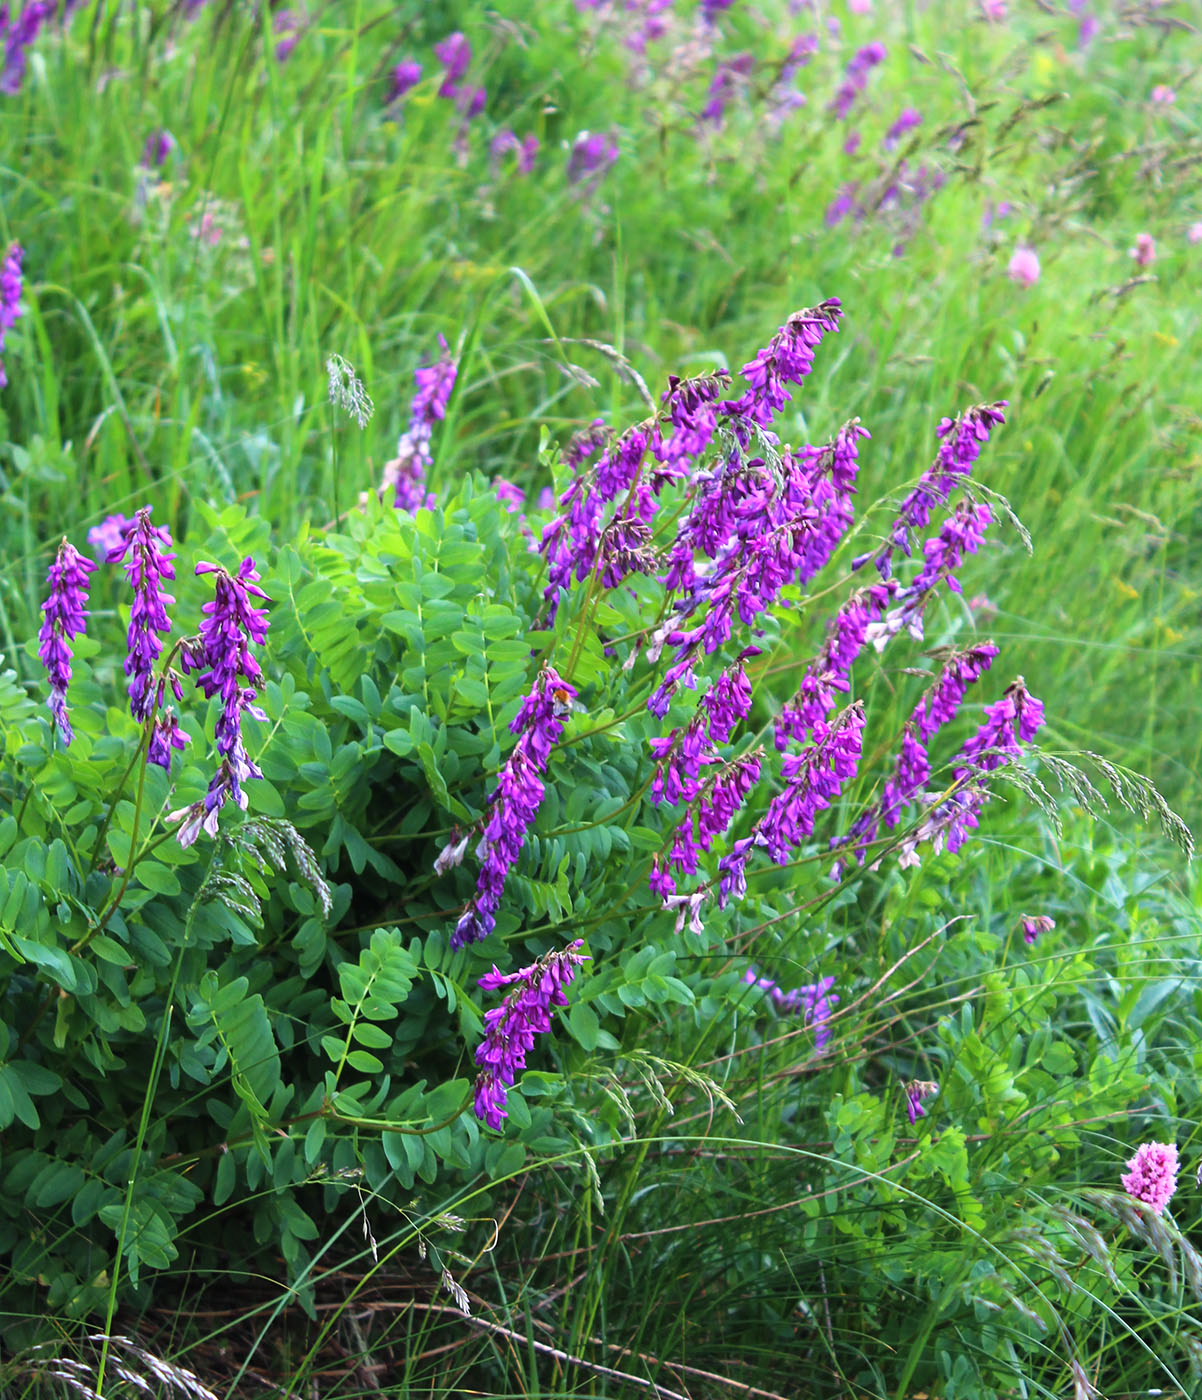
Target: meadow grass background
(177,322)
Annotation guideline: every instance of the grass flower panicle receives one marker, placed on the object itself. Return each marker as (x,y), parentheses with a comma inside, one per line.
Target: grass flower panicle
(64,617)
(510,1028)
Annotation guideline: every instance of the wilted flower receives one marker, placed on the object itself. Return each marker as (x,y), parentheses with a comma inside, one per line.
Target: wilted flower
(1151,1175)
(511,1027)
(1024,267)
(64,617)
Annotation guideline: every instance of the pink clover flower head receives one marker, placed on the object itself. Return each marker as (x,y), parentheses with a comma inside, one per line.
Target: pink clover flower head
(1195,233)
(1023,267)
(405,75)
(1163,95)
(1151,1174)
(1033,927)
(64,617)
(994,9)
(511,1027)
(1144,251)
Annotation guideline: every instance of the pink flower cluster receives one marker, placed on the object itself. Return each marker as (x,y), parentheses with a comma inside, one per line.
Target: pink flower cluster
(1151,1174)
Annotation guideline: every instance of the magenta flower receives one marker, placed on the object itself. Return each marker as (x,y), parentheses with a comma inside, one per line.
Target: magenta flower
(1144,251)
(165,736)
(64,617)
(907,120)
(592,155)
(407,74)
(108,534)
(511,1027)
(406,473)
(1033,926)
(455,54)
(145,551)
(1163,95)
(515,801)
(10,297)
(916,1091)
(228,669)
(1151,1174)
(159,145)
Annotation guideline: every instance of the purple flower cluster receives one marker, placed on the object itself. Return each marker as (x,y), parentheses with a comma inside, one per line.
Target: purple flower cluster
(159,145)
(830,672)
(1034,925)
(856,79)
(405,75)
(813,780)
(107,535)
(454,53)
(730,76)
(515,801)
(406,473)
(916,1091)
(814,1001)
(592,154)
(509,1029)
(228,669)
(1012,721)
(10,297)
(525,150)
(64,617)
(145,551)
(907,120)
(16,35)
(962,438)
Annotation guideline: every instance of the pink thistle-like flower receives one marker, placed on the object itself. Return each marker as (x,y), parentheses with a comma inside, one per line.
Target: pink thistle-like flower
(1144,251)
(1024,267)
(1151,1174)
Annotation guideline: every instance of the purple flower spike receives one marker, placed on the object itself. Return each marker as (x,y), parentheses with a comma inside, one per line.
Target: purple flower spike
(406,473)
(16,36)
(145,551)
(515,801)
(511,1027)
(455,54)
(64,617)
(592,155)
(10,297)
(232,623)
